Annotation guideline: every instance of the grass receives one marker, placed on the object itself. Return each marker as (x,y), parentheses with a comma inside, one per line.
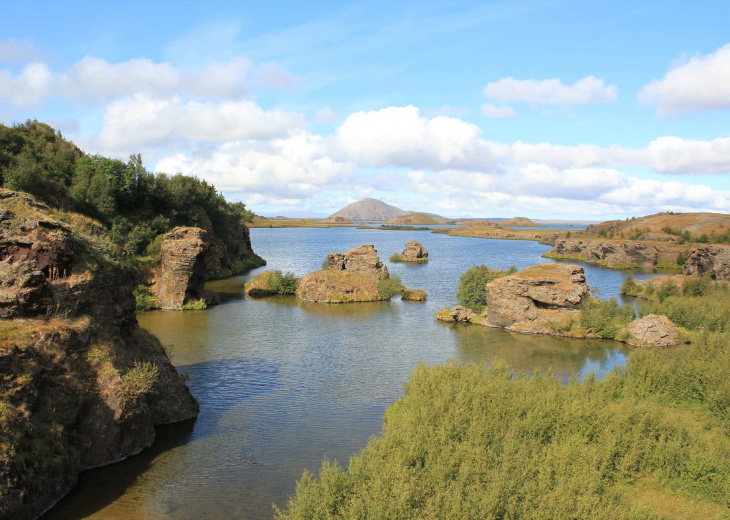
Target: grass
(389,287)
(332,286)
(197,305)
(270,283)
(145,299)
(396,257)
(414,295)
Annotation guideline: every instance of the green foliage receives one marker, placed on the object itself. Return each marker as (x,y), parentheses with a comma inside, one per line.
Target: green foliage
(134,205)
(696,286)
(607,318)
(140,379)
(283,283)
(389,287)
(630,287)
(146,300)
(475,442)
(666,289)
(197,305)
(709,312)
(472,291)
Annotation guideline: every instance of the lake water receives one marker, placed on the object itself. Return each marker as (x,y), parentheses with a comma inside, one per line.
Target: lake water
(283,384)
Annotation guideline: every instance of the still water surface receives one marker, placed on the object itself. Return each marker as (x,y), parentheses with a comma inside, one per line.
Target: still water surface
(283,384)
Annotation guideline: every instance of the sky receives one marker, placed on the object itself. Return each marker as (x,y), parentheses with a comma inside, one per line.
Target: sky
(544,109)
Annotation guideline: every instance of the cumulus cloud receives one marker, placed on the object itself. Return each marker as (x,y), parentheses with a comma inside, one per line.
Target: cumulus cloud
(400,136)
(588,90)
(92,80)
(144,121)
(702,83)
(20,51)
(497,111)
(295,167)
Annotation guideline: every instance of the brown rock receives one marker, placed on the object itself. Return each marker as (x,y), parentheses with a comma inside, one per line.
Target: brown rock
(713,261)
(414,252)
(65,356)
(532,298)
(616,254)
(363,259)
(653,331)
(462,314)
(181,277)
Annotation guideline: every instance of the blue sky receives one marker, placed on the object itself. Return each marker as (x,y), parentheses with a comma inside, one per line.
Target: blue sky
(586,110)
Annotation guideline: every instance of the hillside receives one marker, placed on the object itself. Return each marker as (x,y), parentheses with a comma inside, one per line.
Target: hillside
(678,224)
(369,209)
(516,222)
(413,218)
(336,220)
(132,205)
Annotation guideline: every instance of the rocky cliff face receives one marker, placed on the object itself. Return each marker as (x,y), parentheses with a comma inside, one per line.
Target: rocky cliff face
(363,259)
(713,261)
(81,384)
(617,254)
(532,299)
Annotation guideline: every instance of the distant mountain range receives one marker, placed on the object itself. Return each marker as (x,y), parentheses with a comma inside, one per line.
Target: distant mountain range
(370,209)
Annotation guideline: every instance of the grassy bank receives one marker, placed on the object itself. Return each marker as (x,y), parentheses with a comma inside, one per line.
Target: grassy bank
(467,441)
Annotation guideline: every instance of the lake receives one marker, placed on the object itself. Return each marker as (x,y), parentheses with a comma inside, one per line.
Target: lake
(283,384)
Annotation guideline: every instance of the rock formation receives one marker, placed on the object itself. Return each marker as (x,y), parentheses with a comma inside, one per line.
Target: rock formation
(653,331)
(413,252)
(713,261)
(82,384)
(182,269)
(532,299)
(355,276)
(616,254)
(363,259)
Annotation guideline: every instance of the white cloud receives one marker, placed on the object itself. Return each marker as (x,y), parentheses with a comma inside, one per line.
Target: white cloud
(142,121)
(702,83)
(497,111)
(91,80)
(34,83)
(674,155)
(400,136)
(20,51)
(588,90)
(292,168)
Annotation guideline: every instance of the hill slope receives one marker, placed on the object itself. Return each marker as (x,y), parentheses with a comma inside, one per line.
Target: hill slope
(413,218)
(369,209)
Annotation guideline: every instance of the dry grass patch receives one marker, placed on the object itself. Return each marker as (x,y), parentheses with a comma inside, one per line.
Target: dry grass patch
(330,286)
(414,295)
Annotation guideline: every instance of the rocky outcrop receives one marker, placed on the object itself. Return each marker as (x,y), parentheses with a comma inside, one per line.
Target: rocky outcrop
(712,261)
(616,254)
(413,252)
(355,276)
(81,384)
(653,331)
(535,299)
(182,269)
(363,259)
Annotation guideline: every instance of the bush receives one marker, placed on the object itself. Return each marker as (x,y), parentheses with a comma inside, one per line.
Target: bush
(146,300)
(198,305)
(283,283)
(606,318)
(472,291)
(695,286)
(666,289)
(389,287)
(630,287)
(140,379)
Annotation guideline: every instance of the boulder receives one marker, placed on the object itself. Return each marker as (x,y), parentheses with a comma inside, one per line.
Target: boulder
(532,299)
(713,261)
(363,259)
(653,331)
(414,252)
(461,314)
(182,269)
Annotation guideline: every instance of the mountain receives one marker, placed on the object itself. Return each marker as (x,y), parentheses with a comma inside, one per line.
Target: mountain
(369,209)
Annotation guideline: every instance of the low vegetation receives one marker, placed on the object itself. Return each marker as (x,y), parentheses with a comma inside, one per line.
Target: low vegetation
(270,283)
(607,319)
(413,295)
(389,287)
(196,305)
(397,257)
(472,291)
(651,440)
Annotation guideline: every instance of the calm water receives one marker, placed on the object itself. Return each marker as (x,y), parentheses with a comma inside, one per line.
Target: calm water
(283,384)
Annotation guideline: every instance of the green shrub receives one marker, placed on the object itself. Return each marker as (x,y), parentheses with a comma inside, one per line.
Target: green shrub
(389,287)
(146,300)
(666,289)
(606,318)
(695,286)
(630,287)
(472,291)
(283,283)
(198,305)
